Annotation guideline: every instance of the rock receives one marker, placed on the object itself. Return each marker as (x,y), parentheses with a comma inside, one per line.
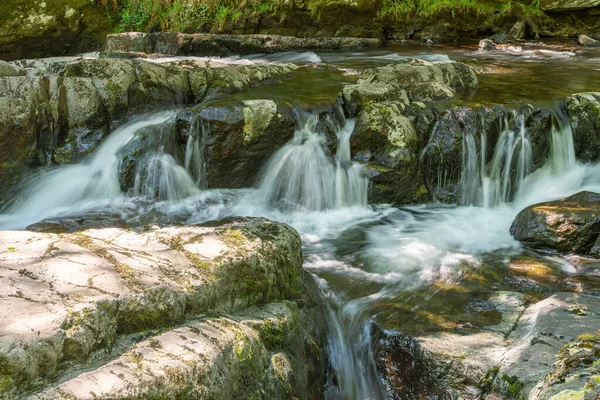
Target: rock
(241,138)
(567,5)
(517,32)
(70,296)
(587,41)
(78,223)
(51,27)
(422,80)
(204,45)
(440,33)
(355,97)
(7,69)
(486,44)
(62,109)
(570,225)
(583,110)
(513,359)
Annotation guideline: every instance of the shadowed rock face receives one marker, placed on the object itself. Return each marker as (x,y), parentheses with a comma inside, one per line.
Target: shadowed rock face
(570,225)
(66,298)
(202,44)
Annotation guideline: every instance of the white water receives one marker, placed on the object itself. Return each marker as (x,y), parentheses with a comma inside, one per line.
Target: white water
(324,197)
(303,175)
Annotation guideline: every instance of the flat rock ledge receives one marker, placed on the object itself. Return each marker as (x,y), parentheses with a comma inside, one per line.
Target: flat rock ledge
(207,45)
(549,350)
(220,311)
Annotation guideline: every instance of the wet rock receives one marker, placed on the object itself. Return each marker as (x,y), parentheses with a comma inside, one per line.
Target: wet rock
(385,138)
(583,110)
(7,69)
(422,80)
(78,223)
(240,139)
(62,109)
(226,45)
(89,289)
(51,27)
(486,44)
(355,97)
(587,41)
(438,33)
(517,32)
(567,5)
(570,225)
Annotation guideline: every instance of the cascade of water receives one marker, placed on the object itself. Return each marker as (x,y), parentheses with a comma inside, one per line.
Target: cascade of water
(351,350)
(194,155)
(303,175)
(159,177)
(80,185)
(494,184)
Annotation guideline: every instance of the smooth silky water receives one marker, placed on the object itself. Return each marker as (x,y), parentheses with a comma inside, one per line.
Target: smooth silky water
(374,263)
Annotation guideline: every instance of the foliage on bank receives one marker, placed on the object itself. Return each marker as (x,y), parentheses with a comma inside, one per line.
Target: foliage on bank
(218,16)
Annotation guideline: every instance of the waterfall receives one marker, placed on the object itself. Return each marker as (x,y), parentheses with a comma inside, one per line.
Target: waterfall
(96,180)
(159,177)
(495,183)
(303,175)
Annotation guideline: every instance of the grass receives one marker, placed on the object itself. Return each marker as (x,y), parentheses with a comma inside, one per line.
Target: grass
(218,16)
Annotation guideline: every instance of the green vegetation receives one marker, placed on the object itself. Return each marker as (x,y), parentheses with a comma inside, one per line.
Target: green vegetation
(219,16)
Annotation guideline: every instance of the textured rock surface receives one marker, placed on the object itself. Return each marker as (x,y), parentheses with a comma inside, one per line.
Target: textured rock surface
(570,225)
(583,110)
(518,358)
(50,27)
(567,5)
(62,109)
(201,44)
(69,301)
(241,138)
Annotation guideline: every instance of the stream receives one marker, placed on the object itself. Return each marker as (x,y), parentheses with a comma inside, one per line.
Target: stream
(375,264)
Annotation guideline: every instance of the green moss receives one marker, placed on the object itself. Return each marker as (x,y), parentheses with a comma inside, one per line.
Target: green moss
(6,379)
(515,386)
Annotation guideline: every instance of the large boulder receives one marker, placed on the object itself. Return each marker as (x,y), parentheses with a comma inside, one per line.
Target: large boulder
(203,44)
(241,138)
(31,29)
(422,80)
(223,310)
(583,110)
(385,138)
(570,225)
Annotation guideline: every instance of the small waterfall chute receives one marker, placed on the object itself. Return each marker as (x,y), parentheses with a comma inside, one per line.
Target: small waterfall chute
(303,175)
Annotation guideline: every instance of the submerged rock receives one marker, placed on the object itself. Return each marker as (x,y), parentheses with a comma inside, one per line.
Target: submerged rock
(203,44)
(570,225)
(84,297)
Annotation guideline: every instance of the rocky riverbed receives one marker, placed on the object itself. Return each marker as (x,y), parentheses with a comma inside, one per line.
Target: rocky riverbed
(177,223)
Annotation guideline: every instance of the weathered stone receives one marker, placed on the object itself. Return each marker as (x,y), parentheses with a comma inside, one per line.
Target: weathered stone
(62,109)
(415,76)
(486,44)
(30,29)
(568,225)
(583,110)
(587,41)
(355,97)
(517,32)
(200,44)
(84,288)
(240,138)
(567,5)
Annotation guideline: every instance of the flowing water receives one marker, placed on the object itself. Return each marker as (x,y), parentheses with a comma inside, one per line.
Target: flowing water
(366,257)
